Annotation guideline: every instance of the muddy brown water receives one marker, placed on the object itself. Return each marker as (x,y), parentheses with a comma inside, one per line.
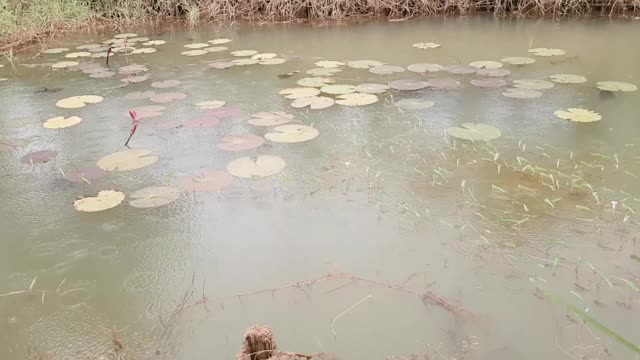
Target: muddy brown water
(380,194)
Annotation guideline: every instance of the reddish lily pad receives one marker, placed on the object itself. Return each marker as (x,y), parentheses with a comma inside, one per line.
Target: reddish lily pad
(208,181)
(240,142)
(494,72)
(136,79)
(39,157)
(84,174)
(408,84)
(102,75)
(443,84)
(165,84)
(202,122)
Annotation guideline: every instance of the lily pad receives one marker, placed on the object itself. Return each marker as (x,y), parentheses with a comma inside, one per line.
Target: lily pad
(493,72)
(372,88)
(55,51)
(313,102)
(125,35)
(167,97)
(329,64)
(154,43)
(518,60)
(202,122)
(578,115)
(314,81)
(144,51)
(408,84)
(64,64)
(426,45)
(425,67)
(274,61)
(443,84)
(60,122)
(105,200)
(154,196)
(356,99)
(39,157)
(135,79)
(338,89)
(244,53)
(489,83)
(460,69)
(616,86)
(386,69)
(486,64)
(132,69)
(242,62)
(196,52)
(75,102)
(220,65)
(149,111)
(516,93)
(264,56)
(216,48)
(413,104)
(272,118)
(126,160)
(532,84)
(364,64)
(219,41)
(299,92)
(474,132)
(568,79)
(292,133)
(323,71)
(165,84)
(197,45)
(79,54)
(547,52)
(262,166)
(208,181)
(84,175)
(240,142)
(210,105)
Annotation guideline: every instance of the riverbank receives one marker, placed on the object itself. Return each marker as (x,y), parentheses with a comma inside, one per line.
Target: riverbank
(24,23)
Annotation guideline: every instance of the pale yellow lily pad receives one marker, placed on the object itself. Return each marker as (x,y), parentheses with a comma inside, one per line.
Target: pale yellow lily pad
(425,67)
(274,61)
(518,60)
(315,81)
(323,71)
(264,56)
(60,122)
(329,64)
(474,132)
(154,196)
(55,51)
(273,118)
(197,45)
(292,133)
(125,35)
(196,52)
(578,115)
(126,160)
(78,54)
(244,61)
(219,41)
(262,166)
(547,52)
(75,102)
(244,53)
(144,51)
(356,99)
(216,48)
(532,84)
(313,102)
(568,79)
(299,92)
(154,43)
(338,89)
(616,86)
(105,200)
(426,45)
(364,64)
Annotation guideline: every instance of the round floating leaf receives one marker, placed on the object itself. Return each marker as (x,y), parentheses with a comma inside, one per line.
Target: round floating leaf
(386,69)
(547,52)
(240,142)
(474,132)
(262,166)
(165,84)
(443,84)
(264,56)
(84,175)
(299,92)
(460,69)
(55,51)
(106,199)
(197,52)
(210,105)
(485,64)
(136,79)
(338,89)
(75,55)
(126,160)
(518,60)
(364,64)
(532,84)
(578,115)
(244,53)
(313,102)
(139,95)
(75,102)
(154,196)
(426,45)
(414,104)
(39,157)
(408,84)
(244,62)
(123,49)
(356,99)
(489,83)
(144,51)
(616,86)
(493,72)
(221,65)
(291,133)
(61,122)
(197,45)
(219,41)
(425,67)
(125,35)
(132,69)
(64,64)
(329,64)
(568,79)
(149,111)
(216,48)
(372,88)
(323,71)
(273,118)
(154,43)
(203,122)
(516,93)
(167,97)
(274,61)
(314,81)
(208,181)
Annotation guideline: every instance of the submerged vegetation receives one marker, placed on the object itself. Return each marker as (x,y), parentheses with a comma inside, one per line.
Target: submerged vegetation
(26,22)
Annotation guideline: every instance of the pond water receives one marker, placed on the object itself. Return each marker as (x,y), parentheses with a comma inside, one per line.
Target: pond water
(403,239)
